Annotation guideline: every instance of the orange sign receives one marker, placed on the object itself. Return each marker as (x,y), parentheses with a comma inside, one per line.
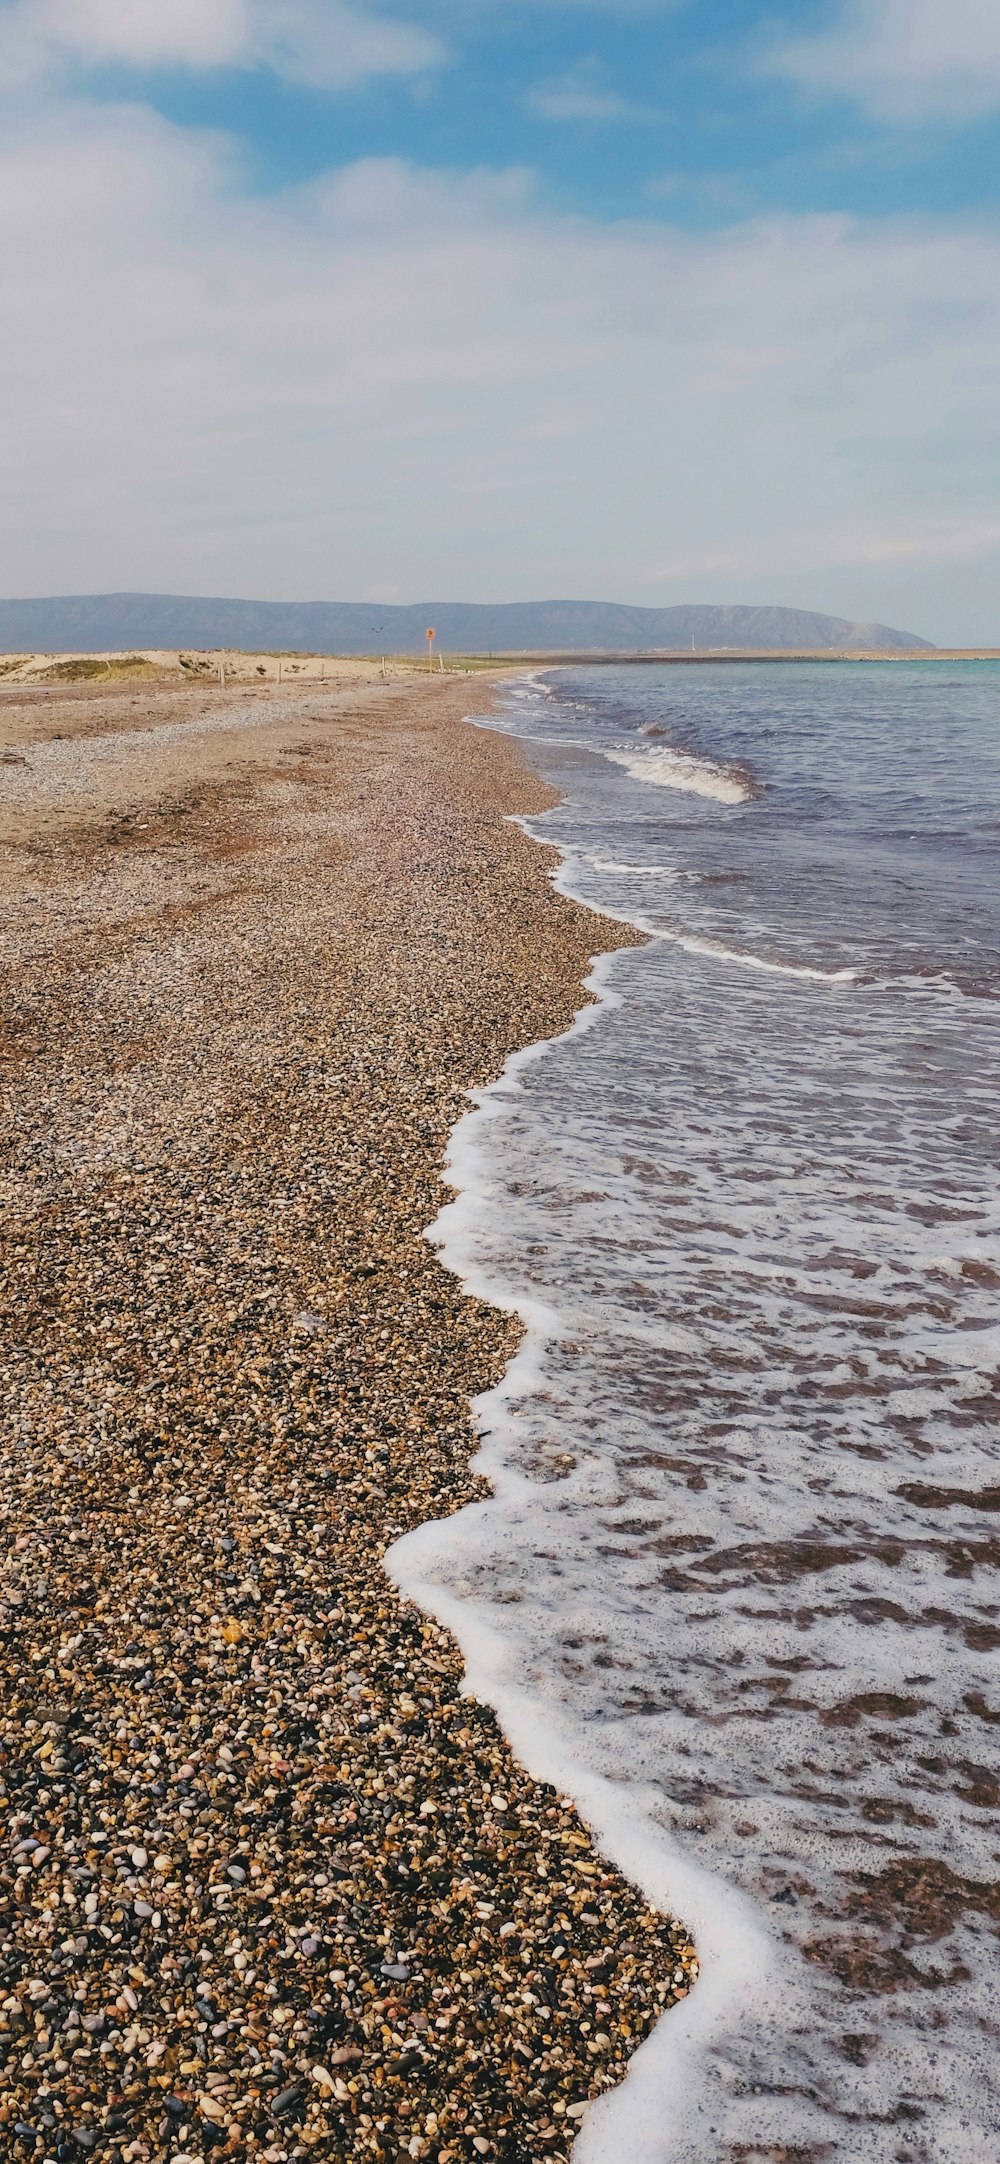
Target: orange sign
(432,634)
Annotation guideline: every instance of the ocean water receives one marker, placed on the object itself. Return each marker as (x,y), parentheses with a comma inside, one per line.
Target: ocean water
(736,1587)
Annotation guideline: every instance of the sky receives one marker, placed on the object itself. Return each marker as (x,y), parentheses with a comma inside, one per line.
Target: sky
(644,300)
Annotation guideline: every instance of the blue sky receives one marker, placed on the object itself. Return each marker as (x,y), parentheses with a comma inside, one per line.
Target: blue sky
(617,109)
(641,298)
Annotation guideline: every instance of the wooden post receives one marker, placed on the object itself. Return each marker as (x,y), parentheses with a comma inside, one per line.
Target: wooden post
(430,646)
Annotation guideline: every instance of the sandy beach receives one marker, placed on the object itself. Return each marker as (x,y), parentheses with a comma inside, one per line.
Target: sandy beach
(271,1885)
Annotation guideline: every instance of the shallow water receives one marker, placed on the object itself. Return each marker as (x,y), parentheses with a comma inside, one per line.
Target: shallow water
(736,1589)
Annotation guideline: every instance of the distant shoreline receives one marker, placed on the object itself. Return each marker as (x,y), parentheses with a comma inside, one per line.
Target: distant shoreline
(68,671)
(700,655)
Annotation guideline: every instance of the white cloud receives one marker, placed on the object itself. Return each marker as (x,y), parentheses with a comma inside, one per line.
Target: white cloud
(905,59)
(426,383)
(320,42)
(316,41)
(580,94)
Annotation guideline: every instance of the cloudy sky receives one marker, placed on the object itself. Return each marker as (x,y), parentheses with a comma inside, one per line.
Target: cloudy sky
(651,300)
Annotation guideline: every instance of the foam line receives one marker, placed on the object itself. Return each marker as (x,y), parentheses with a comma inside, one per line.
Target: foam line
(710,947)
(809,1186)
(713,950)
(738,1957)
(658,2109)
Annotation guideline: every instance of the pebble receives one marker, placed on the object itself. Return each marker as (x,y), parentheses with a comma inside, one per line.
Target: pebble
(252,1826)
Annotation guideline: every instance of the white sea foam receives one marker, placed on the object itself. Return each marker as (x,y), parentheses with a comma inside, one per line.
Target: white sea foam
(713,949)
(552,1589)
(729,1590)
(669,769)
(568,878)
(739,1960)
(663,767)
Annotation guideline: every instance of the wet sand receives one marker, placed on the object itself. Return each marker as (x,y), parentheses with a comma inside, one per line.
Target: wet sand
(270,1885)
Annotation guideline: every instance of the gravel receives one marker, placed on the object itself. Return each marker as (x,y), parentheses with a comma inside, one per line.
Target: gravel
(270,1885)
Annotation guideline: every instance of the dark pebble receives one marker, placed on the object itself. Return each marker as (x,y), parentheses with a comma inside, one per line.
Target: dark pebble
(231,1065)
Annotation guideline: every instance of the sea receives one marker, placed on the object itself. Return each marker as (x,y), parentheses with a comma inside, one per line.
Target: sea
(735,1590)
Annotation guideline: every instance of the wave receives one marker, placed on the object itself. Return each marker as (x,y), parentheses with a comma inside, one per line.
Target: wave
(722,1323)
(669,872)
(693,945)
(666,767)
(670,769)
(692,942)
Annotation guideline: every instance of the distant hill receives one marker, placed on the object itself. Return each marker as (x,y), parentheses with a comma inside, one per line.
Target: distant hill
(103,623)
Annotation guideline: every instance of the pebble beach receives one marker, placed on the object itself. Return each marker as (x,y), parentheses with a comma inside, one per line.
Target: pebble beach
(271,1885)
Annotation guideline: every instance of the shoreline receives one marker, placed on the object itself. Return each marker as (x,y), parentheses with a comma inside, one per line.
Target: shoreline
(239,1032)
(736,1959)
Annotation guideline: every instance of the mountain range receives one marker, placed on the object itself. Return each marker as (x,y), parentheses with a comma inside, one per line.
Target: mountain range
(113,623)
